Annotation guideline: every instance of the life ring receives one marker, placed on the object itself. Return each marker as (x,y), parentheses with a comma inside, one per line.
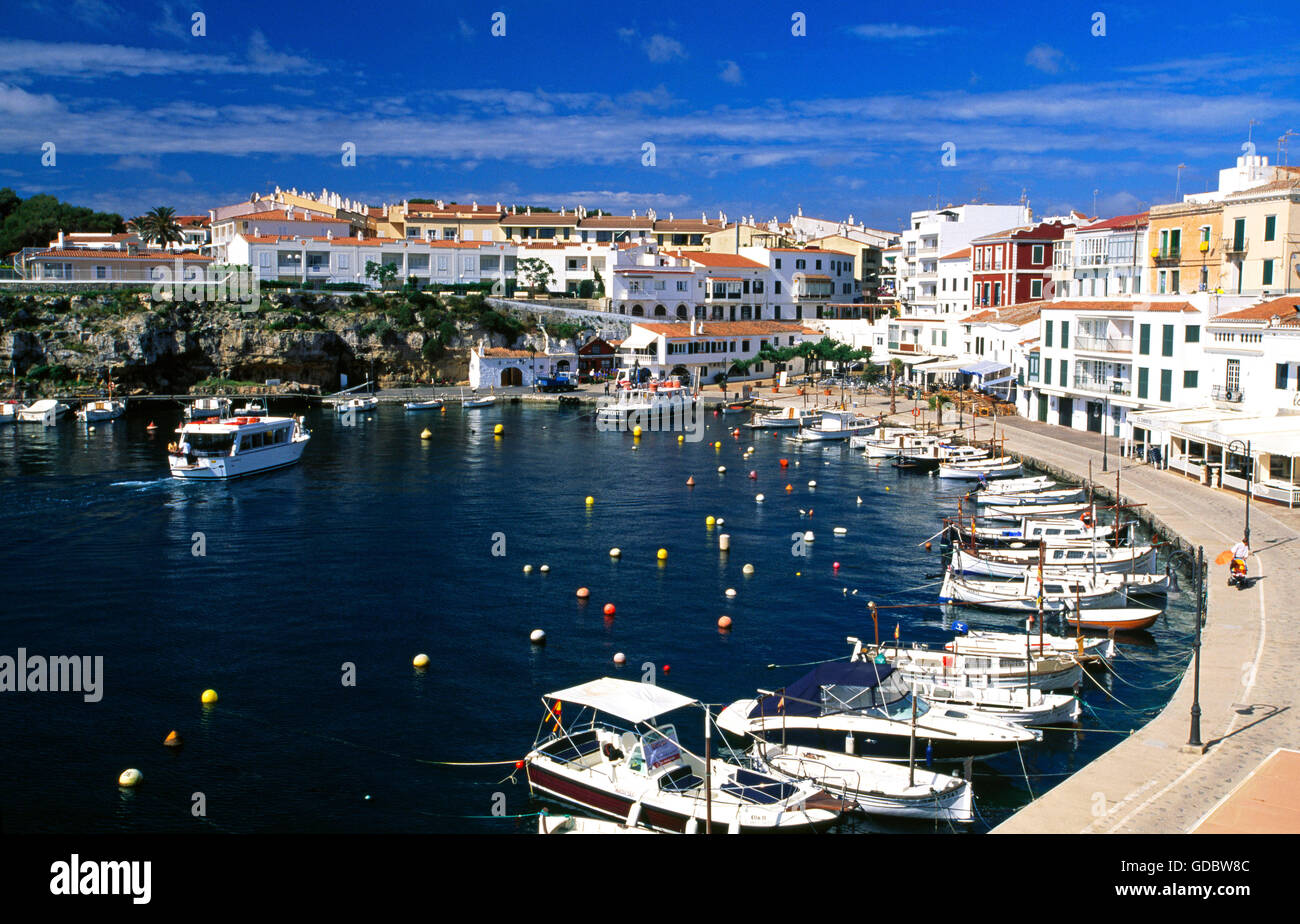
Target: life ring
(916,412)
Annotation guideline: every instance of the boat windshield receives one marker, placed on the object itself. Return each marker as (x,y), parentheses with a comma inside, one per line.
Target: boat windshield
(890,697)
(210,442)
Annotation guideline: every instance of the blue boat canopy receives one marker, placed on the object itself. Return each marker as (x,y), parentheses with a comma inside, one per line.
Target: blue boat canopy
(838,686)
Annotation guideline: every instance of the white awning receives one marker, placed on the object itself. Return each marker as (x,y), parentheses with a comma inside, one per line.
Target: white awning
(635,702)
(950,366)
(915,360)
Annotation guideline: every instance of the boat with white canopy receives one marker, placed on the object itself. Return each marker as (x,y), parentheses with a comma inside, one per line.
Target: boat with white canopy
(101,409)
(920,663)
(643,775)
(210,450)
(47,412)
(837,425)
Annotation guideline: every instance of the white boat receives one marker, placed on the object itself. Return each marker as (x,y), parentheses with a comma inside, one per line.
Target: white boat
(786,418)
(1029,498)
(837,425)
(431,405)
(983,641)
(8,412)
(356,405)
(1029,532)
(1022,706)
(888,442)
(576,824)
(237,446)
(1059,592)
(105,409)
(1018,485)
(1119,619)
(1001,467)
(477,401)
(876,787)
(252,409)
(47,411)
(920,664)
(645,776)
(1068,511)
(208,408)
(1016,563)
(862,707)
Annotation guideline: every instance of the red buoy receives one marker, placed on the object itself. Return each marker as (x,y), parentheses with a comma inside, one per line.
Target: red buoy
(785,463)
(609,609)
(665,668)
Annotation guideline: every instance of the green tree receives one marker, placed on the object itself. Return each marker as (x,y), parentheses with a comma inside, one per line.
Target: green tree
(35,221)
(158,226)
(382,273)
(895,373)
(537,272)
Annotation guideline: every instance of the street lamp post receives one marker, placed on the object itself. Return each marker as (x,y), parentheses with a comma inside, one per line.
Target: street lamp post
(1236,447)
(1194,738)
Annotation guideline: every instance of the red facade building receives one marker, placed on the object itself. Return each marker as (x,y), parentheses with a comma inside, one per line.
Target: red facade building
(1013,267)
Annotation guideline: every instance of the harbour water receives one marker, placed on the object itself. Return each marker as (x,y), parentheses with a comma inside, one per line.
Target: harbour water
(379,545)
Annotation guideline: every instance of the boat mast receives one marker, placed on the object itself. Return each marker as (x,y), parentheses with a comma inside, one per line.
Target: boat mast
(708,778)
(911,743)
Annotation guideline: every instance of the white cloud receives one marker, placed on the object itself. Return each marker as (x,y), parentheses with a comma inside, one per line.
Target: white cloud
(730,73)
(661,49)
(80,60)
(1045,58)
(19,103)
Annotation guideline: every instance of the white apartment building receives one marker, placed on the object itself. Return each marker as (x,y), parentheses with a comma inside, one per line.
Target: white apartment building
(1102,259)
(954,296)
(804,281)
(704,349)
(933,233)
(285,222)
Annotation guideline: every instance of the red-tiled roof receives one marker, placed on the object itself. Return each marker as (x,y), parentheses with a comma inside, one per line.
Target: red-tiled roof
(733,260)
(92,254)
(714,329)
(614,221)
(1019,315)
(503,353)
(282,215)
(1100,305)
(1285,308)
(540,219)
(1121,221)
(958,255)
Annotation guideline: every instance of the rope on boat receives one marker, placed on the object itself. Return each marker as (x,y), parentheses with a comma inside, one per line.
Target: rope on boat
(1103,689)
(1160,686)
(808,663)
(524,815)
(1025,771)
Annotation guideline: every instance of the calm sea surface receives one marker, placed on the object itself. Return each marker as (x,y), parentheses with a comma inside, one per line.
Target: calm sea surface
(378,546)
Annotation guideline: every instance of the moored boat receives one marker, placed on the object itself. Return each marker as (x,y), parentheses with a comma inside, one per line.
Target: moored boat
(1001,467)
(786,418)
(1118,619)
(645,776)
(47,411)
(919,664)
(431,405)
(101,409)
(356,405)
(1029,498)
(1058,592)
(1019,706)
(8,412)
(1017,563)
(1068,511)
(207,408)
(836,425)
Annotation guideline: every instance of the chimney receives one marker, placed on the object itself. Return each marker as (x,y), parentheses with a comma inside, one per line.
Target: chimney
(329,234)
(60,239)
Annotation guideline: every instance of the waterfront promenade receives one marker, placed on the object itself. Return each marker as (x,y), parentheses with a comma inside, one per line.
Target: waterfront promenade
(1149,783)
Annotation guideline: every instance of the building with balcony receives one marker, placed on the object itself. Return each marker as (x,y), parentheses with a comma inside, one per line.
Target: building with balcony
(935,233)
(700,350)
(451,221)
(290,221)
(1252,358)
(1014,266)
(1260,240)
(1101,259)
(802,282)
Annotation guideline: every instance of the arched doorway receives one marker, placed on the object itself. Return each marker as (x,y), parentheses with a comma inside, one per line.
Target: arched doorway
(637,312)
(681,312)
(511,377)
(661,311)
(562,366)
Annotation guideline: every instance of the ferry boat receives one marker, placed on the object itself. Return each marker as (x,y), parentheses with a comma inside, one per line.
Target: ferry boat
(106,409)
(237,446)
(207,408)
(658,405)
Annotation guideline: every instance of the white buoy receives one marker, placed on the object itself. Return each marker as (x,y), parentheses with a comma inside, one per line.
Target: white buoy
(528,569)
(615,552)
(859,499)
(620,658)
(808,536)
(724,541)
(748,569)
(544,569)
(731,591)
(758,498)
(812,484)
(721,469)
(537,637)
(130,777)
(840,530)
(719,521)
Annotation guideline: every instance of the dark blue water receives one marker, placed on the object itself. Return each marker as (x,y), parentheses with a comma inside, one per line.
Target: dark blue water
(379,546)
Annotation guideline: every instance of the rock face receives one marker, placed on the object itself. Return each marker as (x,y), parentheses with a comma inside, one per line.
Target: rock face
(162,345)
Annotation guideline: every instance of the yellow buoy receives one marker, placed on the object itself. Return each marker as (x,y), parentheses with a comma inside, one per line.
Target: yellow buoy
(209,696)
(590,500)
(499,429)
(663,554)
(426,434)
(636,431)
(709,521)
(680,438)
(130,777)
(420,660)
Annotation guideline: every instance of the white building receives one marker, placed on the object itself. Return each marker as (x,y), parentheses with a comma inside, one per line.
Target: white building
(705,348)
(499,367)
(285,222)
(1102,259)
(933,233)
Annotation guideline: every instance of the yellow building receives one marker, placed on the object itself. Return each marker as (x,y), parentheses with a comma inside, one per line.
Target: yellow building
(1260,242)
(1184,252)
(451,221)
(737,235)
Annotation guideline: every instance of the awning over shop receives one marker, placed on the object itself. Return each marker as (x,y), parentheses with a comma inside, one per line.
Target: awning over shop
(915,360)
(983,368)
(1001,381)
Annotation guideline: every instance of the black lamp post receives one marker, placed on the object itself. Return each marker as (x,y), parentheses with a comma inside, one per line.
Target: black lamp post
(1194,738)
(1236,447)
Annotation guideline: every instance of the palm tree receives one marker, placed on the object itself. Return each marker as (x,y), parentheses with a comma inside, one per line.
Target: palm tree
(159,226)
(936,404)
(895,373)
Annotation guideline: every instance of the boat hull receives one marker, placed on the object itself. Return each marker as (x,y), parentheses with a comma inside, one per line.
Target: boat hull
(239,466)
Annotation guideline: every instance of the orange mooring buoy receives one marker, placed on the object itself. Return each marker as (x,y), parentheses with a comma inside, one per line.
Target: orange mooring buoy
(690,482)
(152,426)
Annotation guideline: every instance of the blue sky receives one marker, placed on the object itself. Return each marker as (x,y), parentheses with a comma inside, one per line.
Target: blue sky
(745,117)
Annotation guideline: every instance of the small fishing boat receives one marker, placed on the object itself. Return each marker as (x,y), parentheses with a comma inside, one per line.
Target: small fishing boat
(356,405)
(255,408)
(47,411)
(8,412)
(865,707)
(875,787)
(738,407)
(1066,511)
(1017,485)
(431,405)
(1021,596)
(104,409)
(1000,467)
(1017,563)
(837,425)
(210,450)
(208,408)
(920,664)
(1029,498)
(1118,619)
(786,418)
(983,641)
(1022,706)
(888,442)
(644,775)
(1029,531)
(474,401)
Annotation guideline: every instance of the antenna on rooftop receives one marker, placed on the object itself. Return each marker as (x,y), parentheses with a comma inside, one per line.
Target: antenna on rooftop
(1178,183)
(1282,154)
